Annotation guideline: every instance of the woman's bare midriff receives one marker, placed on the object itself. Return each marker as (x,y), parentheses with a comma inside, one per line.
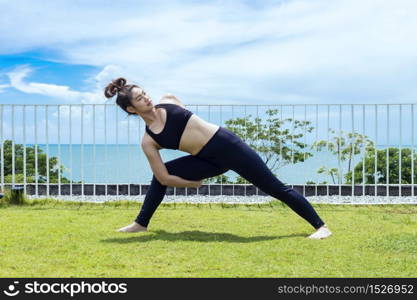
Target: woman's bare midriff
(197,133)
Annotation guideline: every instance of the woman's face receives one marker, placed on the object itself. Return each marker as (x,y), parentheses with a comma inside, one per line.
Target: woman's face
(140,101)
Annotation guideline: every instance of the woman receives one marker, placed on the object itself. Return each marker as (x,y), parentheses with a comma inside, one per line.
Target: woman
(213,151)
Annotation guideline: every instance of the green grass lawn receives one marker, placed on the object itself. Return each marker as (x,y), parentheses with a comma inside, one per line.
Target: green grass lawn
(64,240)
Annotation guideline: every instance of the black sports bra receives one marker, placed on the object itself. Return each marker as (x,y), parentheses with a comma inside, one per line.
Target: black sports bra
(176,120)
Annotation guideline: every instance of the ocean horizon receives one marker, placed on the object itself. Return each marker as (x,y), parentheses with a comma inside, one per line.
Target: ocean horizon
(124,163)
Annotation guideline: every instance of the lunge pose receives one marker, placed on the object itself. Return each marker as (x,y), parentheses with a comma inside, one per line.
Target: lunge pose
(212,149)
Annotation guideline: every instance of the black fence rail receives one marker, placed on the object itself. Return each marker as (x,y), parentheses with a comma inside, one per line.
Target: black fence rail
(213,190)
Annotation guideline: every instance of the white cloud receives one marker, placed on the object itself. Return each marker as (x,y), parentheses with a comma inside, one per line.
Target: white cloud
(62,93)
(3,87)
(107,74)
(285,51)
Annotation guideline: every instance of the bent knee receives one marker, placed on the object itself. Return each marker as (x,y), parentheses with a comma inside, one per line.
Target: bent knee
(156,181)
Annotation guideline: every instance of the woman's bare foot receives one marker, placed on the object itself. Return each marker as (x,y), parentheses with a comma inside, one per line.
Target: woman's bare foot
(134,227)
(321,233)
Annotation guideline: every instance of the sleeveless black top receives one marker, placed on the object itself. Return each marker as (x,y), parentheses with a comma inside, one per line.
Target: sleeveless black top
(176,119)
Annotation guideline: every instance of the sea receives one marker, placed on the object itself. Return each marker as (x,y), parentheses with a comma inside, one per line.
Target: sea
(124,163)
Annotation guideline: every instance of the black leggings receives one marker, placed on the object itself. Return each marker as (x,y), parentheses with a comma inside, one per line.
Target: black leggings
(224,151)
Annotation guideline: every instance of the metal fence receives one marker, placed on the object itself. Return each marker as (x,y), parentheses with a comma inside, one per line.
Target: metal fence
(280,133)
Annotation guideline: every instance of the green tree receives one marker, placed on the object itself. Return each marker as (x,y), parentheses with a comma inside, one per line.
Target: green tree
(54,168)
(276,145)
(224,179)
(381,167)
(218,179)
(345,145)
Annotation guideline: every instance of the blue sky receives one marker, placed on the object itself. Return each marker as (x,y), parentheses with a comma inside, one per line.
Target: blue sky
(220,52)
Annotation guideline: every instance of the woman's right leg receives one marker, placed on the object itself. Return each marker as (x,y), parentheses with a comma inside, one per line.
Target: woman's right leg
(188,167)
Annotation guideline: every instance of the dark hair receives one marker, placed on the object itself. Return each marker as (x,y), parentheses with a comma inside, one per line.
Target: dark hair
(124,93)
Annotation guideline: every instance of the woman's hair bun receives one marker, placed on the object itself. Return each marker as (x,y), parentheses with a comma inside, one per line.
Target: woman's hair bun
(114,87)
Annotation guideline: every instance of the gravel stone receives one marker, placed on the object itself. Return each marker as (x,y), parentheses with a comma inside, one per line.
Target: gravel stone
(365,200)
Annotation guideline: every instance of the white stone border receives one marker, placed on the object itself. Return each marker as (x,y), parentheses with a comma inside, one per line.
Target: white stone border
(359,200)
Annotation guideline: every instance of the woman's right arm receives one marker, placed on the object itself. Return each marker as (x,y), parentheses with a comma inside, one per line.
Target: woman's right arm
(176,181)
(160,171)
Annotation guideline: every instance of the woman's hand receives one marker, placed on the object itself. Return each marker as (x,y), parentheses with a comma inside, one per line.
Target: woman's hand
(196,184)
